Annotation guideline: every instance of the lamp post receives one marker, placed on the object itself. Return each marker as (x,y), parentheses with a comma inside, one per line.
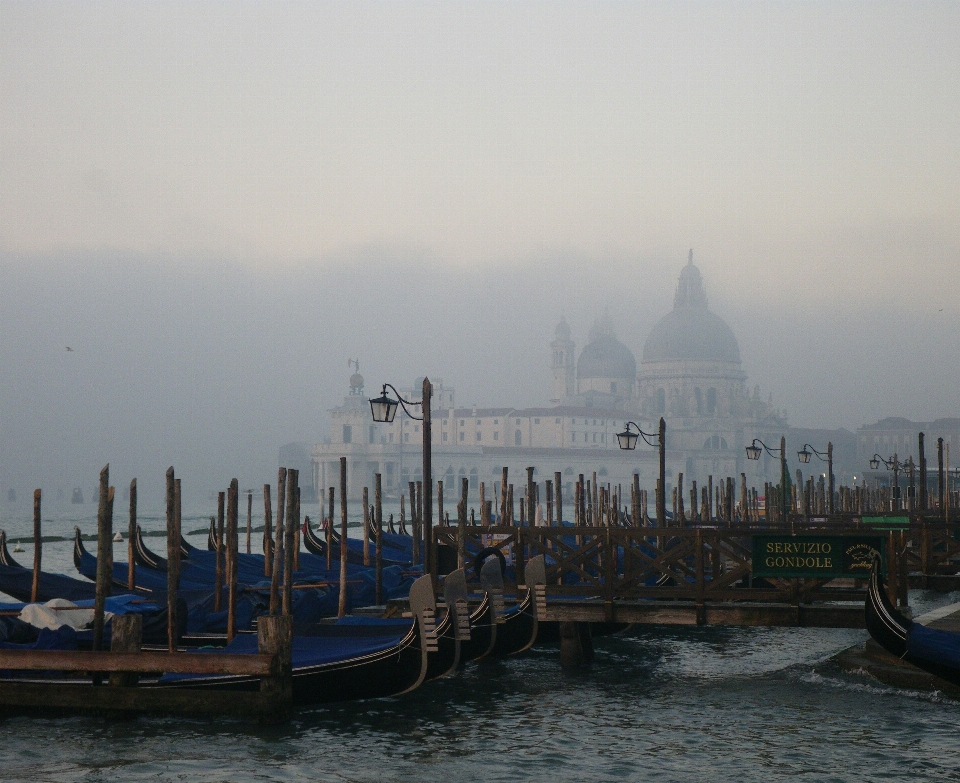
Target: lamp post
(891,463)
(384,409)
(804,456)
(628,442)
(754,451)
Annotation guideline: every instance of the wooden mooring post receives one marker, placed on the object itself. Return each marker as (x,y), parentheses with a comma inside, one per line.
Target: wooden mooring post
(37,547)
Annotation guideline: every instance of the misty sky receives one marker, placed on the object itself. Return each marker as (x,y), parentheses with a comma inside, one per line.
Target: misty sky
(216,205)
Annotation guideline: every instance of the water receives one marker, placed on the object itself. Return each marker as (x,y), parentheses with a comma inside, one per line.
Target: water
(670,704)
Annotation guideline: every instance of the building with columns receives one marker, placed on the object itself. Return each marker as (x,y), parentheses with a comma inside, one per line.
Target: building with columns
(690,373)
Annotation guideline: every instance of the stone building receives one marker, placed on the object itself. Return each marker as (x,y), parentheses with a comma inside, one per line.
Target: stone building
(690,373)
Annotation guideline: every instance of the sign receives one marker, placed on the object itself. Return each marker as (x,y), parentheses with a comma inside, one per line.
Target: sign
(496,540)
(887,523)
(815,556)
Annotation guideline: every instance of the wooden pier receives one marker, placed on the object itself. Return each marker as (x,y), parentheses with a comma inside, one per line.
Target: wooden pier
(707,575)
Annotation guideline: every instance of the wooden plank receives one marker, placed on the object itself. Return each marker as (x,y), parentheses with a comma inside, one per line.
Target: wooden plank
(143,662)
(178,700)
(686,613)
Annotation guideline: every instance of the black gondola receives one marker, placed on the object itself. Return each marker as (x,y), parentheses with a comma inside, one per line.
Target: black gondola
(517,625)
(346,662)
(483,619)
(317,546)
(932,650)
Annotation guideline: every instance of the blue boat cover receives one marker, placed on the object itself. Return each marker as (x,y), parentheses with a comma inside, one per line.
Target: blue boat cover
(938,647)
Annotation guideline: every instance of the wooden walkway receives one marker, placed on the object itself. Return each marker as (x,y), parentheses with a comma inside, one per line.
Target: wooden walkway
(706,575)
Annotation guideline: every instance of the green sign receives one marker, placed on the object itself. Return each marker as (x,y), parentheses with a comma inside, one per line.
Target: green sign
(887,523)
(815,556)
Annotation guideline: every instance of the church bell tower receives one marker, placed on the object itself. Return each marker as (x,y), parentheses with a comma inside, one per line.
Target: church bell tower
(562,363)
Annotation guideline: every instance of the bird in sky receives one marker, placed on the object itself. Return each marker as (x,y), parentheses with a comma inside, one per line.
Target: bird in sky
(70,349)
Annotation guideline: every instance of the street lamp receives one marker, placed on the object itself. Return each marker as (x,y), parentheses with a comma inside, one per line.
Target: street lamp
(804,456)
(753,452)
(383,409)
(628,442)
(891,463)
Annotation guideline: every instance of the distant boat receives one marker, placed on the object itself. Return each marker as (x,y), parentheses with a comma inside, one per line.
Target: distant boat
(117,537)
(11,495)
(77,496)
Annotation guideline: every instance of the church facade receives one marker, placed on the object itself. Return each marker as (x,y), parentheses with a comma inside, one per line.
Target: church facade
(690,374)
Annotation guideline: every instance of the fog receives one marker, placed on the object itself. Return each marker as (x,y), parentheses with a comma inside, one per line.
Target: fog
(217,205)
(210,366)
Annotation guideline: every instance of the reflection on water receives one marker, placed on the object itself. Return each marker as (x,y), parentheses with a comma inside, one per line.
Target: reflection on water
(668,704)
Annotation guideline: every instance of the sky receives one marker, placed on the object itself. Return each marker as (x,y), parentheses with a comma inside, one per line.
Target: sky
(217,204)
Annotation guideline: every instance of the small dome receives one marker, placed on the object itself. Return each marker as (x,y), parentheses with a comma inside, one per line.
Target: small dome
(562,332)
(690,331)
(605,356)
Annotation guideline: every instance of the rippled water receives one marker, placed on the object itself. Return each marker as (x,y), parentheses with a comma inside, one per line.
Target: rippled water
(665,704)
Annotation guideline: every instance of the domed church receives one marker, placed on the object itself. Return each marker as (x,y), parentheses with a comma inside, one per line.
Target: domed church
(690,374)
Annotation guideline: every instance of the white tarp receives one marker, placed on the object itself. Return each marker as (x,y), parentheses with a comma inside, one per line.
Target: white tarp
(58,612)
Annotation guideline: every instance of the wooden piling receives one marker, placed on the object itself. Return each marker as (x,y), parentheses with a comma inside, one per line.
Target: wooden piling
(131,532)
(37,547)
(548,491)
(378,519)
(558,495)
(439,504)
(483,504)
(531,498)
(328,530)
(233,500)
(221,554)
(414,531)
(275,638)
(503,497)
(923,472)
(267,533)
(342,604)
(462,523)
(276,567)
(104,555)
(940,483)
(281,516)
(366,527)
(296,527)
(290,521)
(249,518)
(126,636)
(171,587)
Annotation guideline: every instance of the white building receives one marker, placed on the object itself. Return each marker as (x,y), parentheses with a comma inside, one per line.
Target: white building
(690,374)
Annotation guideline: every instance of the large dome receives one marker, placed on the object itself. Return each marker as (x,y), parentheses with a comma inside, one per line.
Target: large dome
(691,331)
(605,356)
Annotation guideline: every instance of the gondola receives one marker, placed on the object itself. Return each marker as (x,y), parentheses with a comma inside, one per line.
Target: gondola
(483,624)
(930,649)
(451,628)
(17,581)
(517,625)
(317,546)
(201,567)
(345,662)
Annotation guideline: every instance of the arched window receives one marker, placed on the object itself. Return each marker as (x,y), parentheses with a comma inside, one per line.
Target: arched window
(715,443)
(518,438)
(602,472)
(699,395)
(474,479)
(711,400)
(661,401)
